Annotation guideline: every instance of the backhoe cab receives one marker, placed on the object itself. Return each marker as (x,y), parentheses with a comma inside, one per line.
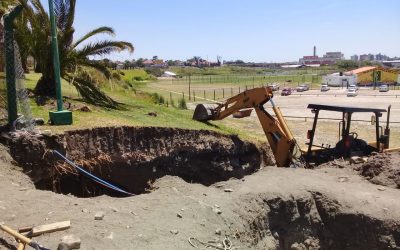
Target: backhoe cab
(349,144)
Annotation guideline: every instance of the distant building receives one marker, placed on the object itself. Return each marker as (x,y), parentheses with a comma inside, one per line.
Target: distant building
(169,74)
(354,58)
(362,76)
(328,59)
(392,63)
(339,80)
(365,75)
(366,57)
(380,57)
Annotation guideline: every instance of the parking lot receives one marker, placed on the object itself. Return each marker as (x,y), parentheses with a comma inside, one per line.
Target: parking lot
(299,117)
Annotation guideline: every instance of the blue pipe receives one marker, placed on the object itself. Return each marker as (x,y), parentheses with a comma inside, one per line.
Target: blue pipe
(91,176)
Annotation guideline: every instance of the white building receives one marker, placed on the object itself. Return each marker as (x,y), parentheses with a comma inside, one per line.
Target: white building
(340,80)
(169,74)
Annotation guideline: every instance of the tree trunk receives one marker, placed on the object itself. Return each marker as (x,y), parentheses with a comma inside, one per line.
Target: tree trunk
(46,86)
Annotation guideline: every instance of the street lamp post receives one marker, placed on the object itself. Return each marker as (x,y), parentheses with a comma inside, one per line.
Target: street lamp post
(59,117)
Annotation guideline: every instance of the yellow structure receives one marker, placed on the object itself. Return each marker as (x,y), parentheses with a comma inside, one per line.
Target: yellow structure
(366,75)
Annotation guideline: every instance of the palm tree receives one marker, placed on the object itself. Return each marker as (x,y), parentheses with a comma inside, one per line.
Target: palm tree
(75,62)
(4,5)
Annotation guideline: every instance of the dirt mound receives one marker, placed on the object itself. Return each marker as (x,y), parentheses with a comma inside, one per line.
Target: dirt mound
(132,158)
(312,221)
(382,169)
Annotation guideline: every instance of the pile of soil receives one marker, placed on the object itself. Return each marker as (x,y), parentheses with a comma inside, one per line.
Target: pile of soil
(274,208)
(134,157)
(382,169)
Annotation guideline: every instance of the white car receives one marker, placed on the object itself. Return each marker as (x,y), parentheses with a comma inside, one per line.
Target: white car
(352,92)
(302,88)
(353,87)
(274,87)
(325,88)
(383,88)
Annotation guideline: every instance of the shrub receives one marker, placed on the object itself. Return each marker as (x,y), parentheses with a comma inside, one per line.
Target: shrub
(158,99)
(138,78)
(182,103)
(117,76)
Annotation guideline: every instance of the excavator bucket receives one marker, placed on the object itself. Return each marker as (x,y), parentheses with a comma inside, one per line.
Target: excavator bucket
(204,112)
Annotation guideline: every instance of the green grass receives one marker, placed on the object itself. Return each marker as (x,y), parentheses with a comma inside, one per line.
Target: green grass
(135,113)
(129,75)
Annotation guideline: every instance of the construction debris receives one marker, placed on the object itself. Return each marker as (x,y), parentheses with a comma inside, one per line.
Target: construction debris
(69,242)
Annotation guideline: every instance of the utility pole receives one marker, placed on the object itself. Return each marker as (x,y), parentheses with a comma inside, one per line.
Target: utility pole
(59,117)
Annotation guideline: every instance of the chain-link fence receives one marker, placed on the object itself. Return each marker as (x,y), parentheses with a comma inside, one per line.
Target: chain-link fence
(3,89)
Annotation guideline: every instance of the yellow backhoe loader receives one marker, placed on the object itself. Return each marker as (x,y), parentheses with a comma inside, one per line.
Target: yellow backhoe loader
(281,139)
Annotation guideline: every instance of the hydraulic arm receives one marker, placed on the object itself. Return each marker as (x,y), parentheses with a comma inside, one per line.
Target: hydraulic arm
(276,130)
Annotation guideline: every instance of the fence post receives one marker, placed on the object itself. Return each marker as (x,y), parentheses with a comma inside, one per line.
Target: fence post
(170,97)
(232,92)
(204,94)
(214,94)
(183,95)
(223,93)
(239,89)
(194,96)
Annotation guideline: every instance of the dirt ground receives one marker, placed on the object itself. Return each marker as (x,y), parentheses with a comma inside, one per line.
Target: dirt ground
(272,208)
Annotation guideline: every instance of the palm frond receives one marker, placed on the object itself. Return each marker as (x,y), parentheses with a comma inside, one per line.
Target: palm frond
(64,10)
(100,30)
(104,48)
(97,65)
(90,92)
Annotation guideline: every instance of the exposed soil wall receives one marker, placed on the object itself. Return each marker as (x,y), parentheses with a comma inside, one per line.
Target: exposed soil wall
(133,157)
(313,221)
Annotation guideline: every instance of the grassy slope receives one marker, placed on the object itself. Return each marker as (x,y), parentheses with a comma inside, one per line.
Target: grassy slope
(137,107)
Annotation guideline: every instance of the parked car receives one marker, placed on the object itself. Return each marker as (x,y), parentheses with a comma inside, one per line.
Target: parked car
(302,87)
(352,86)
(325,88)
(274,87)
(351,92)
(286,91)
(383,88)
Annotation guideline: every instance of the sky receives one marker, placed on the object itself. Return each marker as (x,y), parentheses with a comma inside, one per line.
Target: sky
(250,30)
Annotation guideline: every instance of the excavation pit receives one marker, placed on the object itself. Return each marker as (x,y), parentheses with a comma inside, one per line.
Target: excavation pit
(132,158)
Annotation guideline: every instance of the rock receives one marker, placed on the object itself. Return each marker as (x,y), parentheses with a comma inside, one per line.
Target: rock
(228,190)
(132,212)
(69,242)
(356,160)
(275,235)
(110,236)
(153,114)
(343,178)
(46,132)
(217,211)
(381,188)
(179,215)
(218,231)
(114,209)
(85,210)
(39,121)
(84,109)
(298,246)
(174,231)
(99,216)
